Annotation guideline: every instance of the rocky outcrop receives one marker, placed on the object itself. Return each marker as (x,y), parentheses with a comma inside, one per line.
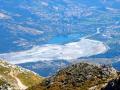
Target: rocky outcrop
(81,76)
(113,84)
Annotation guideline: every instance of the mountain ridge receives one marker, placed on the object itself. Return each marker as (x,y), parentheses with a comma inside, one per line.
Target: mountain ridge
(80,76)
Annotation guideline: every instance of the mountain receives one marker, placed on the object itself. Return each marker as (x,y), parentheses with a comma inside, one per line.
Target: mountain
(50,30)
(80,76)
(38,34)
(46,68)
(13,77)
(43,30)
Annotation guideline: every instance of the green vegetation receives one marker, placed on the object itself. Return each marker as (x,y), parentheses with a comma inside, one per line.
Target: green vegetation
(4,70)
(29,79)
(81,76)
(1,82)
(17,77)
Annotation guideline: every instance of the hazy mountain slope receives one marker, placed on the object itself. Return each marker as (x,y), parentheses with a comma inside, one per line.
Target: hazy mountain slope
(81,76)
(46,68)
(14,77)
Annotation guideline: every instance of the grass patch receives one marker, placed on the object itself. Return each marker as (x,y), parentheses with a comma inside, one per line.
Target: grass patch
(29,79)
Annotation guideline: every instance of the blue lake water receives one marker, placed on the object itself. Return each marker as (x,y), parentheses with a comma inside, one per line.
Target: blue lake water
(62,39)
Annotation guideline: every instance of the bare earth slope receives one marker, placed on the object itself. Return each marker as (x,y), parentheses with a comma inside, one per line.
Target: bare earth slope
(14,77)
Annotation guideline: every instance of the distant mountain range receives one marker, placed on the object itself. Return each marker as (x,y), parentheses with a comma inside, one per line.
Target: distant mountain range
(46,36)
(42,30)
(34,23)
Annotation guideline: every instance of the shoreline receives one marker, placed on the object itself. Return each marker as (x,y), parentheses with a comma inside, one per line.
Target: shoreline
(50,52)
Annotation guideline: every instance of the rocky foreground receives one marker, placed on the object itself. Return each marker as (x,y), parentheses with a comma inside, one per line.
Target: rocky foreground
(13,77)
(81,76)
